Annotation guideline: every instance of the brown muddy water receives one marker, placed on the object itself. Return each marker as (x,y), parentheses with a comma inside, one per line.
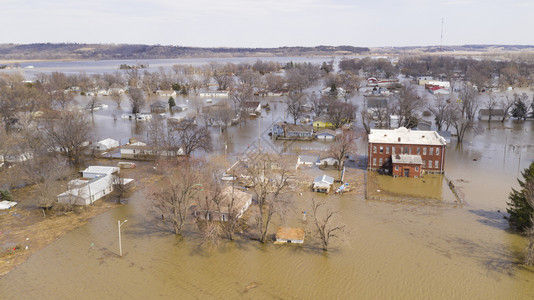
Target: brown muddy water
(390,250)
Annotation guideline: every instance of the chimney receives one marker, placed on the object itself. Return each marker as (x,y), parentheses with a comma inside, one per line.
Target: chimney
(399,139)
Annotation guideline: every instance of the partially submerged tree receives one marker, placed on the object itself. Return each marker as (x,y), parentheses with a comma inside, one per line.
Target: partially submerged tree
(269,180)
(323,222)
(68,132)
(294,105)
(344,145)
(193,137)
(137,99)
(176,192)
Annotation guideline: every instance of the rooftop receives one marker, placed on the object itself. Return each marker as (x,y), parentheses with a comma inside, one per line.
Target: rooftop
(288,233)
(403,136)
(407,159)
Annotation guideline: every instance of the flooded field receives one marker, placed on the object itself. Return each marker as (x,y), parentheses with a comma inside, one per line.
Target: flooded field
(390,249)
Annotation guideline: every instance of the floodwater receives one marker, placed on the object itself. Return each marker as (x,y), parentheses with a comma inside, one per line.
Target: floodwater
(390,249)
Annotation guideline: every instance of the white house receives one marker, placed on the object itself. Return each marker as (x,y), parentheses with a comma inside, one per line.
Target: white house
(17,158)
(322,183)
(86,191)
(166,93)
(107,144)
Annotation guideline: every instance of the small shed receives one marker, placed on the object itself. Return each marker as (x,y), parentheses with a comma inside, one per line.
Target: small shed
(107,144)
(322,183)
(290,235)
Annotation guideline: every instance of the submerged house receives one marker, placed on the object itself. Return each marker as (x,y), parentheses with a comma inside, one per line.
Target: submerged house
(233,203)
(292,131)
(290,235)
(107,144)
(97,182)
(322,183)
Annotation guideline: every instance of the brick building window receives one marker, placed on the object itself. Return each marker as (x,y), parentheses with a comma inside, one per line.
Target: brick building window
(430,151)
(381,149)
(374,161)
(430,163)
(393,150)
(396,168)
(380,162)
(424,151)
(436,164)
(437,151)
(374,149)
(387,150)
(417,168)
(418,151)
(424,163)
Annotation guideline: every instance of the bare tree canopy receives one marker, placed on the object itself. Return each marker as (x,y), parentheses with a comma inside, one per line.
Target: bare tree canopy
(176,192)
(69,131)
(294,105)
(137,99)
(344,145)
(323,224)
(193,137)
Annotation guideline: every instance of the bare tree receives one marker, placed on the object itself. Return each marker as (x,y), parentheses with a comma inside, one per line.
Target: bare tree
(323,225)
(269,179)
(460,123)
(69,131)
(92,104)
(441,110)
(490,105)
(507,102)
(318,104)
(193,137)
(341,113)
(344,145)
(120,187)
(176,192)
(294,105)
(137,99)
(222,76)
(407,105)
(469,102)
(116,97)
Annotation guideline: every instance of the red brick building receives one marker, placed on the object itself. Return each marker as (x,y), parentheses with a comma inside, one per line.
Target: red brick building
(417,149)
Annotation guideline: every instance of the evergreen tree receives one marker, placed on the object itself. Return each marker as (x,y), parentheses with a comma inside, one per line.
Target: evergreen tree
(172,103)
(519,208)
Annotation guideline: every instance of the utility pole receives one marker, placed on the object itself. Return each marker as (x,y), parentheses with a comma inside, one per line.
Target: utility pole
(120,242)
(441,37)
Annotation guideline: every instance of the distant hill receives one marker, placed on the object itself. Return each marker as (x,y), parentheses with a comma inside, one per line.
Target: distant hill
(48,51)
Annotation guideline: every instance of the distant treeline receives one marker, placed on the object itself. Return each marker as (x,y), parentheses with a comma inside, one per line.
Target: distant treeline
(112,51)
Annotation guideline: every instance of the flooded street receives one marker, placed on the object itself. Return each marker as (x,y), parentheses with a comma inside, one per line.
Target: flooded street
(391,249)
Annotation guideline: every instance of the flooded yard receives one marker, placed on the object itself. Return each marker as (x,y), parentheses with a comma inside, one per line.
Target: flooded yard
(431,247)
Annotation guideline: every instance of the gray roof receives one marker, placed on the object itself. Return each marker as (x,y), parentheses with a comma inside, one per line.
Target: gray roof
(324,179)
(407,159)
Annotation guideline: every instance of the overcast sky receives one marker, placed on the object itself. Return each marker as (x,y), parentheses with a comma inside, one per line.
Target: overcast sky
(268,23)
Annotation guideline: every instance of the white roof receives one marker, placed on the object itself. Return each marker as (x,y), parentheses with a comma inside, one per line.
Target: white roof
(108,142)
(100,170)
(324,179)
(407,159)
(403,136)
